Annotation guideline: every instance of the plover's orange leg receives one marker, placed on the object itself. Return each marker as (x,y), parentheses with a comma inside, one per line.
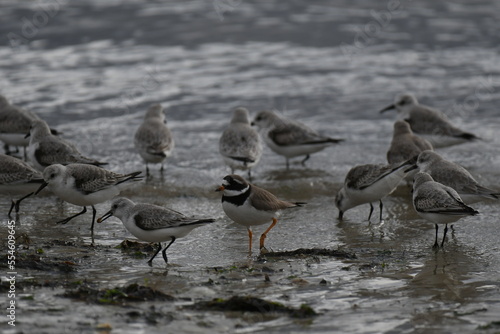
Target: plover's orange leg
(264,235)
(250,234)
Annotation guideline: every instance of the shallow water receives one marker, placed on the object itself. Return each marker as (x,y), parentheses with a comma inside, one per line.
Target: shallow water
(93,68)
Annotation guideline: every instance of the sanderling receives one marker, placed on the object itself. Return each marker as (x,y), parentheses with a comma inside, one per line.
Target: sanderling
(153,139)
(153,223)
(405,145)
(46,149)
(15,123)
(370,183)
(16,176)
(438,203)
(429,123)
(454,176)
(84,185)
(249,205)
(240,144)
(290,138)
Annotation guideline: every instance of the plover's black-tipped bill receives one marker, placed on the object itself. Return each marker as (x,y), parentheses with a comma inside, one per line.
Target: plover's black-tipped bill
(105,216)
(43,185)
(389,107)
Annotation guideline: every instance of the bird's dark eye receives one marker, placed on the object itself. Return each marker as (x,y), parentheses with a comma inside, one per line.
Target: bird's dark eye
(258,118)
(53,175)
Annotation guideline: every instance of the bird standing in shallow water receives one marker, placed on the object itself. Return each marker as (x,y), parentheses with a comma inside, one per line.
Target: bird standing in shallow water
(438,203)
(369,183)
(429,123)
(240,144)
(249,205)
(85,185)
(153,223)
(16,176)
(290,138)
(153,139)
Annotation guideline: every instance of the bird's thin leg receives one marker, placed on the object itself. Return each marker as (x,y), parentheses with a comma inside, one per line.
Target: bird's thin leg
(371,211)
(436,245)
(444,235)
(249,175)
(156,253)
(161,168)
(287,164)
(250,235)
(147,169)
(381,207)
(264,235)
(303,162)
(164,252)
(64,221)
(94,212)
(15,204)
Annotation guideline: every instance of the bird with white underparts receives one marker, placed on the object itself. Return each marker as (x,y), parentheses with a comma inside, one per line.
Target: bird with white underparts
(85,185)
(153,139)
(438,203)
(370,183)
(15,123)
(455,176)
(290,138)
(45,149)
(153,223)
(249,205)
(240,145)
(17,177)
(429,123)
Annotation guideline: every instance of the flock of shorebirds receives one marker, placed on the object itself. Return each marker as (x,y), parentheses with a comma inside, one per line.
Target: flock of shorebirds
(442,190)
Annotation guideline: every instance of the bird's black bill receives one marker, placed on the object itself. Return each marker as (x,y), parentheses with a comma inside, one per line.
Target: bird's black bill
(409,169)
(43,185)
(104,217)
(390,107)
(27,135)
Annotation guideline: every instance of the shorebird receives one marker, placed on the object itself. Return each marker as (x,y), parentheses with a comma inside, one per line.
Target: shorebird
(153,223)
(438,203)
(429,123)
(249,205)
(290,138)
(85,185)
(240,144)
(153,139)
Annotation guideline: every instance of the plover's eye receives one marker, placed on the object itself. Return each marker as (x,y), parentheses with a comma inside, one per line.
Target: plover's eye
(53,175)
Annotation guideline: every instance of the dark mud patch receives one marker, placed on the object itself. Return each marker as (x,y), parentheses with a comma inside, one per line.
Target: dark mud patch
(307,252)
(136,249)
(252,304)
(117,296)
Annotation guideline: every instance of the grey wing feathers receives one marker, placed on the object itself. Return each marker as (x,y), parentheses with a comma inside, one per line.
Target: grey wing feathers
(292,133)
(441,199)
(152,217)
(91,178)
(363,176)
